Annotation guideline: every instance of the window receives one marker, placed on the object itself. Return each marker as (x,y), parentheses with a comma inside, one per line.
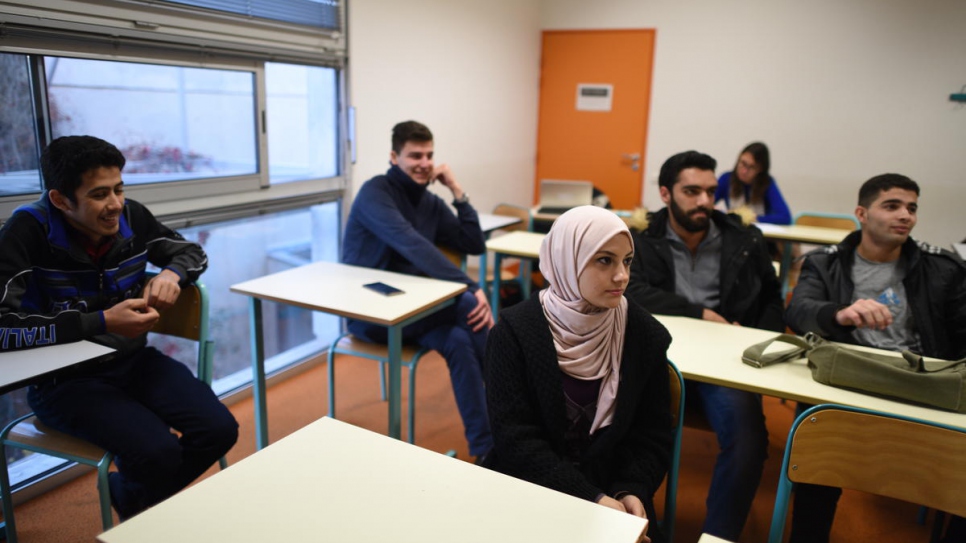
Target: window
(302,122)
(244,249)
(230,117)
(172,123)
(19,172)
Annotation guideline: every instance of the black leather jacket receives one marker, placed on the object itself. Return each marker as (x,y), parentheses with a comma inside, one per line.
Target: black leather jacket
(935,284)
(750,293)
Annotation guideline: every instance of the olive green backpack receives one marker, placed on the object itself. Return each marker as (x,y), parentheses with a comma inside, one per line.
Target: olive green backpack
(907,377)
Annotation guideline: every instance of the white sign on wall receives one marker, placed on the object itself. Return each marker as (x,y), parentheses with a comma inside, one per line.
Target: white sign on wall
(594,96)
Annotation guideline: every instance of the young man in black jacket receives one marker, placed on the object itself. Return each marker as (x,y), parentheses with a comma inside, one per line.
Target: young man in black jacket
(72,267)
(879,288)
(697,262)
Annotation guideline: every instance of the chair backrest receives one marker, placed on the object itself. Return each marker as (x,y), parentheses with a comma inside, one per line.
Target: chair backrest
(457,258)
(677,420)
(188,319)
(510,210)
(827,220)
(874,452)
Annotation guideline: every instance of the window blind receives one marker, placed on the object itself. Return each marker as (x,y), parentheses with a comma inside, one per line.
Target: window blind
(317,13)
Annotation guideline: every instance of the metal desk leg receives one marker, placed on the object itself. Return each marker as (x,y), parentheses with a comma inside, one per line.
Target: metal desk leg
(395,381)
(483,284)
(495,292)
(258,374)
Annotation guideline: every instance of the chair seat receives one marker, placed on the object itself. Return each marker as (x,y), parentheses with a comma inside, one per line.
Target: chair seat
(33,434)
(505,275)
(373,350)
(350,345)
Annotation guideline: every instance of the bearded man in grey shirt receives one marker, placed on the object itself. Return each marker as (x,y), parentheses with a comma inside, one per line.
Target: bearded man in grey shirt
(697,262)
(879,288)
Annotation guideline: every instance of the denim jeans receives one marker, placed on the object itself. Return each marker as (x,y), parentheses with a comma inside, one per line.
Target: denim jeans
(447,332)
(129,409)
(738,421)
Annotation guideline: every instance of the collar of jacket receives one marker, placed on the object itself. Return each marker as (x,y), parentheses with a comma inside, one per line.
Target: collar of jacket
(911,251)
(57,227)
(413,190)
(658,222)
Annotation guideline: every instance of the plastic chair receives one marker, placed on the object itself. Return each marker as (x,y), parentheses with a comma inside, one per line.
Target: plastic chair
(188,319)
(677,423)
(883,454)
(827,220)
(810,218)
(350,345)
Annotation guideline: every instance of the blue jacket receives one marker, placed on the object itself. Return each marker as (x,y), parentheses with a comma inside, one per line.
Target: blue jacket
(776,210)
(53,293)
(395,224)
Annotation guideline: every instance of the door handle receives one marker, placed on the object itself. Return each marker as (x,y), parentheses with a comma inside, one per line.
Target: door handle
(635,159)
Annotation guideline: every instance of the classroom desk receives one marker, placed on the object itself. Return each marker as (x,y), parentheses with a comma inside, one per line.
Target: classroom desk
(488,223)
(788,234)
(711,352)
(337,289)
(21,368)
(331,481)
(515,244)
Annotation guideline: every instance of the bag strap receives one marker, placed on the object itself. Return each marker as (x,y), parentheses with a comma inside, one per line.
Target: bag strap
(754,355)
(920,364)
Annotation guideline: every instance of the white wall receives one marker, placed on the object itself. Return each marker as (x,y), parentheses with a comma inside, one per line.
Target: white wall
(840,91)
(468,70)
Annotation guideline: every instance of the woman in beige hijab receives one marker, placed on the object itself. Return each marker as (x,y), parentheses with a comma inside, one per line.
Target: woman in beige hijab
(576,376)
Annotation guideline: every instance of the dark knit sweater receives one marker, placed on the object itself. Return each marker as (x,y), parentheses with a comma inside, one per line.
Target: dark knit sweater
(395,224)
(526,403)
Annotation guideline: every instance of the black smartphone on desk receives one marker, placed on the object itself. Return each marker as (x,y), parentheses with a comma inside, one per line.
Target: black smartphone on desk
(383,288)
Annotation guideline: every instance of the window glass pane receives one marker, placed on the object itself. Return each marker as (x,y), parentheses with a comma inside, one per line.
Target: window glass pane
(249,248)
(172,123)
(302,111)
(18,133)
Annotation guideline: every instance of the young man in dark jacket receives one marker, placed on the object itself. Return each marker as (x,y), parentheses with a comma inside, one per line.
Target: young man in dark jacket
(396,224)
(879,288)
(72,268)
(697,262)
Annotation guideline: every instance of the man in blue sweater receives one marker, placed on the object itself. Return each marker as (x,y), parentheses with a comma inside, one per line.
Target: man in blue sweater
(396,224)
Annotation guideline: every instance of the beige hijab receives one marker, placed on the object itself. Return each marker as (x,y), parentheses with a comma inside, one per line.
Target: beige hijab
(589,340)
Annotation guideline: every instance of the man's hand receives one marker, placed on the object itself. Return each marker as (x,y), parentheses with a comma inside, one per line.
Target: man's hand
(443,174)
(712,316)
(130,318)
(865,314)
(162,290)
(481,316)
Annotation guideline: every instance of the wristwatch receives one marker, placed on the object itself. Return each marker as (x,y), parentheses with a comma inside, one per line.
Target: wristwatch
(465,198)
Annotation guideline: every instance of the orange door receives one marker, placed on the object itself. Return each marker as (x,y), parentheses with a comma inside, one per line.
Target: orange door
(581,134)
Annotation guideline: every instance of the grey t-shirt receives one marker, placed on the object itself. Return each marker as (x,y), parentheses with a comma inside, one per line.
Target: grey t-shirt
(697,277)
(882,282)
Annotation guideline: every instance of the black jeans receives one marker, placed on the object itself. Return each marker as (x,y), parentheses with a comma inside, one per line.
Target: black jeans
(129,409)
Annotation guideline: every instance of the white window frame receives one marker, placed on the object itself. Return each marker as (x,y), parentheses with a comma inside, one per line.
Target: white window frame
(148,32)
